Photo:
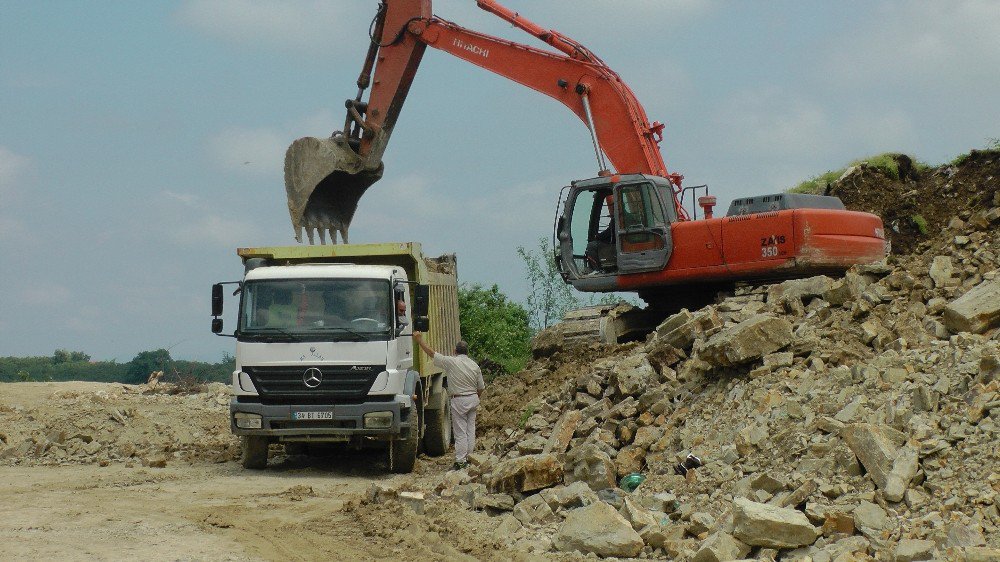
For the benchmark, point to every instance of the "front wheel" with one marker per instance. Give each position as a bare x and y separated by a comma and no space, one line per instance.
403,452
253,451
437,432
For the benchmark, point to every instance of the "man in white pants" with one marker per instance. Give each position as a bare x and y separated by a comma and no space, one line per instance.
465,384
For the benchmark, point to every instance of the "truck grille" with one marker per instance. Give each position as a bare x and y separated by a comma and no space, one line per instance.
341,384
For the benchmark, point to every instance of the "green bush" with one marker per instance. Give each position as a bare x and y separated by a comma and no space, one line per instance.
886,162
495,327
817,185
921,223
992,143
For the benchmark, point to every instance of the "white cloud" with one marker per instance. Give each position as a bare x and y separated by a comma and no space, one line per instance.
322,123
211,230
770,122
12,168
186,199
324,25
405,202
892,130
285,24
929,43
45,294
254,152
567,15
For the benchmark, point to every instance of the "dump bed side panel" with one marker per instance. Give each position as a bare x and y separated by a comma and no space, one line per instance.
443,311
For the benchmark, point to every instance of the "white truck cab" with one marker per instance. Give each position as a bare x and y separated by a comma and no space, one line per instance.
325,351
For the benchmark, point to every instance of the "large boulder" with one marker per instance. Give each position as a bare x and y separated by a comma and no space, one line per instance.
975,311
759,524
572,496
799,289
527,474
846,290
904,468
600,530
911,550
634,375
721,547
875,448
870,519
534,510
941,271
751,339
590,465
683,328
562,433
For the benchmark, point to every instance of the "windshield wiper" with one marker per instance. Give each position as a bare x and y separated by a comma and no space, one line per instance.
270,333
358,335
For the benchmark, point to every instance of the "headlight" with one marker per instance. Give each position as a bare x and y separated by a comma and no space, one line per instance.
247,421
378,420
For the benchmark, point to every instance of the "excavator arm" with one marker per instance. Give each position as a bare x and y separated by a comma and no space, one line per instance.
325,178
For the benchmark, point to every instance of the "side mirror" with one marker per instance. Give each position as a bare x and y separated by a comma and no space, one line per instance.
421,300
217,301
421,323
216,325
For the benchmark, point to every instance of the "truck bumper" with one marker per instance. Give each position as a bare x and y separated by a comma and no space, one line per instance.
346,419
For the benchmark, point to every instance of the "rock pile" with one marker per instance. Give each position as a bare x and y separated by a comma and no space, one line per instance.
49,424
836,419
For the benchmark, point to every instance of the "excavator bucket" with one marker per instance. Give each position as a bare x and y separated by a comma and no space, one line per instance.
324,180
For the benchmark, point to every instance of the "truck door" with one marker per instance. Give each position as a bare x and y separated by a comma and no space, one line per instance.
644,241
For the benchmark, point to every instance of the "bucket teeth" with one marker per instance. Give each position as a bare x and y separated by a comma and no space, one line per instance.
324,180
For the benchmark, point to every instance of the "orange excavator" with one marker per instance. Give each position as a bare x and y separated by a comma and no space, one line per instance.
626,229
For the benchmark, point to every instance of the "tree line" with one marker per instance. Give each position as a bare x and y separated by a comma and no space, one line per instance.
64,365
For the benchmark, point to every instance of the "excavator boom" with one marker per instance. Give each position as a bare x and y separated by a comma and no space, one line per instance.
325,178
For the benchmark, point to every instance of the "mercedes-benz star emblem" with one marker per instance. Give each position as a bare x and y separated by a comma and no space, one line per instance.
312,377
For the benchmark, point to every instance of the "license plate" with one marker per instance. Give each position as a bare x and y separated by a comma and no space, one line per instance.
312,416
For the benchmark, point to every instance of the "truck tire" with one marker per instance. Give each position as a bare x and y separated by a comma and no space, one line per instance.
253,451
437,431
403,452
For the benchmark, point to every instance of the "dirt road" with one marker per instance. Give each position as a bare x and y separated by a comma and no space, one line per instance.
93,471
188,512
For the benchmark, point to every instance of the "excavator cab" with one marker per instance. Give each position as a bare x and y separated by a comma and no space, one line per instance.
612,226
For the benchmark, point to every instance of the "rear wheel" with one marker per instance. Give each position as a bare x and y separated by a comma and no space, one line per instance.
253,449
437,432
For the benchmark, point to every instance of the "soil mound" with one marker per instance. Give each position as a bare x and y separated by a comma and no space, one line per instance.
917,205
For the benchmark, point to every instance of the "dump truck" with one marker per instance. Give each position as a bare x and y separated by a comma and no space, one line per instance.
325,351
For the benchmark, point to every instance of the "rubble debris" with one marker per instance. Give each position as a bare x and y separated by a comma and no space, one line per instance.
759,524
598,529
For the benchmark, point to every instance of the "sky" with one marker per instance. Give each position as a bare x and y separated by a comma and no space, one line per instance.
142,142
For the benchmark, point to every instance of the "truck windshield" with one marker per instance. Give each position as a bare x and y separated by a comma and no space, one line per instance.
316,310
